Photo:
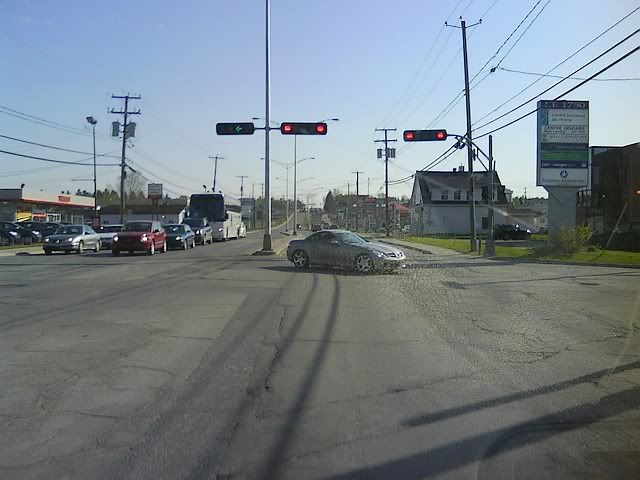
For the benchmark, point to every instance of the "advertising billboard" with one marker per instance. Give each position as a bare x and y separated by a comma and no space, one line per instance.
563,143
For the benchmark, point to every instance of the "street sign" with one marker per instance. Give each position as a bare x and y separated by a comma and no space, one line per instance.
424,135
563,143
303,128
242,128
154,191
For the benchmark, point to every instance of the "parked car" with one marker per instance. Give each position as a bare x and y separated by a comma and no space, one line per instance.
135,236
180,236
242,233
72,238
45,228
508,231
106,234
8,237
316,227
341,248
202,229
333,227
27,236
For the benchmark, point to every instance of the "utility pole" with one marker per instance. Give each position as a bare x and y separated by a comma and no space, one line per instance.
472,201
266,240
368,185
242,177
491,251
215,171
357,182
386,173
125,135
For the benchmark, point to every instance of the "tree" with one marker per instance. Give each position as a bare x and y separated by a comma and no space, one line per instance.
329,203
134,185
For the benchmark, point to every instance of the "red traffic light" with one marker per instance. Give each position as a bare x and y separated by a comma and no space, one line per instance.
303,128
424,135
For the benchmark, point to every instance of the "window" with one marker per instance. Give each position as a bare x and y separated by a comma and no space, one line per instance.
444,194
457,195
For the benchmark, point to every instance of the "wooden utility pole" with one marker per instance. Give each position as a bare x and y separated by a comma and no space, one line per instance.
386,173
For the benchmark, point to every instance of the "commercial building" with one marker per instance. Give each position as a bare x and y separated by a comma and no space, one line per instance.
18,204
166,211
440,202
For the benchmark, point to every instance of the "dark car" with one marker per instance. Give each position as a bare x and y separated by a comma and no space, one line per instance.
180,236
316,227
202,229
333,227
45,228
8,237
341,248
27,235
145,235
510,232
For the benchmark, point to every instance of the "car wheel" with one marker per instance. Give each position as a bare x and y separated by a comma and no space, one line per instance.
363,263
81,248
152,248
115,253
184,244
193,243
164,247
47,252
300,259
67,252
97,247
130,252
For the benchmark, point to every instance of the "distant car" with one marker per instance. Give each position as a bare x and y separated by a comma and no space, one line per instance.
242,233
202,229
146,236
341,248
333,227
180,236
510,232
316,227
106,234
27,235
45,228
72,238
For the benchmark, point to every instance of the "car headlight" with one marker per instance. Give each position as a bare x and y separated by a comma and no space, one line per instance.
144,238
46,240
220,229
73,240
178,238
378,254
115,238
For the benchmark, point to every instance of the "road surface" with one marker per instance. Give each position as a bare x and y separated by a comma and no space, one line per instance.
213,363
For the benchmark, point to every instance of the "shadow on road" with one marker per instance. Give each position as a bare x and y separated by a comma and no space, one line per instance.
496,442
323,270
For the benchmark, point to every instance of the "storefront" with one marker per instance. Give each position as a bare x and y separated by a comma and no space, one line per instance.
17,204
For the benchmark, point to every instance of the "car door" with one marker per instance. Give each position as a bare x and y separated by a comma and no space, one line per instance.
91,237
327,249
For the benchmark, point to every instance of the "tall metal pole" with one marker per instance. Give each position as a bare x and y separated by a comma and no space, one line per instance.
386,184
286,201
123,164
491,251
95,180
215,171
295,183
472,200
266,241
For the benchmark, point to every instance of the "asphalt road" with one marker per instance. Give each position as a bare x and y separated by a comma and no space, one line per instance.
213,363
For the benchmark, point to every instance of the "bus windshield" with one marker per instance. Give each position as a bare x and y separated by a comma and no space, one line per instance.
210,206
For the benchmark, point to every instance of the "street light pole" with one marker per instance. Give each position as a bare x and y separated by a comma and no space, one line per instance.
266,241
92,121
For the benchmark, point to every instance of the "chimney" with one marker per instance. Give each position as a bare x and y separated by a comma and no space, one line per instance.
461,168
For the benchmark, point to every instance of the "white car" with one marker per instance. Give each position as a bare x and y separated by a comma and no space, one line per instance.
106,234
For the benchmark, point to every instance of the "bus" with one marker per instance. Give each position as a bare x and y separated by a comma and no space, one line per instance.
225,223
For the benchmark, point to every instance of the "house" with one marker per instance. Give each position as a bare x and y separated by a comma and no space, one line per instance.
440,202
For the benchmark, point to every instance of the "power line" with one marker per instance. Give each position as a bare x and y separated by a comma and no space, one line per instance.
615,62
560,81
54,147
65,162
597,37
627,79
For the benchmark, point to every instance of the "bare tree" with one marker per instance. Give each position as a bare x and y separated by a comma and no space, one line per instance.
134,185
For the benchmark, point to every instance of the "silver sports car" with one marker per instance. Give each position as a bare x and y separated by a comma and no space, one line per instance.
341,248
72,238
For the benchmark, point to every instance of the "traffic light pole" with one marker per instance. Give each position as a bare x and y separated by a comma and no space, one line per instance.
491,248
295,184
266,241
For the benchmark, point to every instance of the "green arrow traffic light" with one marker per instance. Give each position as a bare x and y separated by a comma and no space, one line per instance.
242,128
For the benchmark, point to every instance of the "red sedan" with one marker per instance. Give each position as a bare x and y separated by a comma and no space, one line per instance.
140,236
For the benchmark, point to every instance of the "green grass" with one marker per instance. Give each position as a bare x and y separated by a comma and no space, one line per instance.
539,236
592,258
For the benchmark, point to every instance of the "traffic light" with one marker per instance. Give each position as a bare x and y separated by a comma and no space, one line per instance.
303,128
244,128
424,135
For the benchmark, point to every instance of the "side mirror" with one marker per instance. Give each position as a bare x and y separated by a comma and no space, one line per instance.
226,216
86,233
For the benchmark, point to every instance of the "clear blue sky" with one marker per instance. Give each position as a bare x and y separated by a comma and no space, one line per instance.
201,62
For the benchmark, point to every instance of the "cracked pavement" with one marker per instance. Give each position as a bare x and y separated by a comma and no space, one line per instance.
215,364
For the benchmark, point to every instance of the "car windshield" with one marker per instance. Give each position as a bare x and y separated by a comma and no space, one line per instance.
348,237
110,228
137,227
69,230
174,228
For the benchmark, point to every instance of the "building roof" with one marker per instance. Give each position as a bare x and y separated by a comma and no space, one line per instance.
22,195
454,180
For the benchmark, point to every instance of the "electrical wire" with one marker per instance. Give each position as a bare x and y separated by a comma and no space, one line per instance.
612,64
57,161
627,79
56,148
560,81
597,37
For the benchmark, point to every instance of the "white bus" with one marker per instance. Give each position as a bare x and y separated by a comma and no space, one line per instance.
225,223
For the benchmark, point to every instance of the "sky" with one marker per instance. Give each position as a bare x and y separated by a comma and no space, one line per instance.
370,63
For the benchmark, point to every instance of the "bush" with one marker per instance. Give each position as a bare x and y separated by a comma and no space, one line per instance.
572,239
